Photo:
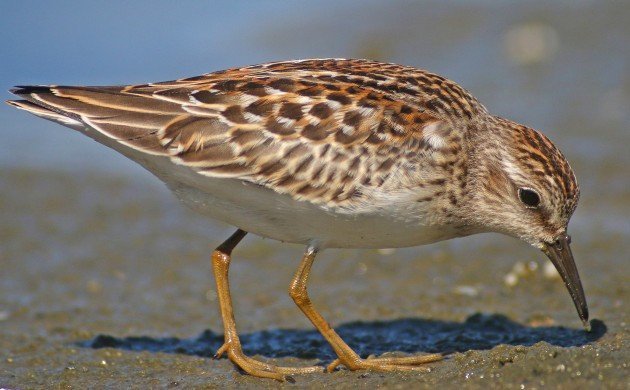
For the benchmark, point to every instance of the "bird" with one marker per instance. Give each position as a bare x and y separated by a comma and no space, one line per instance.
331,153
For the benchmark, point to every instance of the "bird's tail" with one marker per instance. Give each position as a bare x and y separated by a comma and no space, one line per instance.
130,118
42,109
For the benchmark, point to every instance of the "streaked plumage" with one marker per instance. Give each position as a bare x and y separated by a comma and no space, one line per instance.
333,153
319,130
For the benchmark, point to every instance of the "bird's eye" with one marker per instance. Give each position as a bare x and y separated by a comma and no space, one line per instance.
529,197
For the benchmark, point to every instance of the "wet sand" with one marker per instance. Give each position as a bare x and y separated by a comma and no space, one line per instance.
106,282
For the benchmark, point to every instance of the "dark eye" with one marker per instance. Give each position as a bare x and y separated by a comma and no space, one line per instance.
529,197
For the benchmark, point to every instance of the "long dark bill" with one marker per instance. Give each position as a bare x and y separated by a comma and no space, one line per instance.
560,255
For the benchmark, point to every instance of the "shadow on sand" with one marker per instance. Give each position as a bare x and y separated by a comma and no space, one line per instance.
478,332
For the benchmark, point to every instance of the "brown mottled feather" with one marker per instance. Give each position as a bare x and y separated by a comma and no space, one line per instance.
266,123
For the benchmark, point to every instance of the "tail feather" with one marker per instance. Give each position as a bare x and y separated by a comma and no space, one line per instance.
46,113
132,119
29,89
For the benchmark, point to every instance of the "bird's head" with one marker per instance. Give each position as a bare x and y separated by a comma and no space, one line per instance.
525,188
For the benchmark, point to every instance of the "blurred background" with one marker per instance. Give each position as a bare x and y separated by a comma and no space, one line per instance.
68,203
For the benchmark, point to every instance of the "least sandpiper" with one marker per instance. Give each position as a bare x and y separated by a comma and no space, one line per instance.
332,153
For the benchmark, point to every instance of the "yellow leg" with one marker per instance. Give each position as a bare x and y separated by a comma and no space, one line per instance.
346,356
232,344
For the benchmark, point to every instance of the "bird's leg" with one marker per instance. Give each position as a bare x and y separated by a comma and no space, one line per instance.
232,344
346,356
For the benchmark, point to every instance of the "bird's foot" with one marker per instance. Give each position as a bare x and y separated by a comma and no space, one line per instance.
261,369
407,363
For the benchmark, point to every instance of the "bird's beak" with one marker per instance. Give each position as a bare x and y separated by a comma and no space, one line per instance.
559,252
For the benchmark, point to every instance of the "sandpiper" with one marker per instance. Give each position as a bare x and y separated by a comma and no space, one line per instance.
332,153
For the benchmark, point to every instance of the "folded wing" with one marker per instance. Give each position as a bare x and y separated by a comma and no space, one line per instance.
295,132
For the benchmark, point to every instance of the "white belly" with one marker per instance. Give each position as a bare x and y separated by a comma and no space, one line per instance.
261,211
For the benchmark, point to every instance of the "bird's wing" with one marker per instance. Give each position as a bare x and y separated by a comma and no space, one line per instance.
299,131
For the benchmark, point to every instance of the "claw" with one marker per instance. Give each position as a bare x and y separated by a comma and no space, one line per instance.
220,351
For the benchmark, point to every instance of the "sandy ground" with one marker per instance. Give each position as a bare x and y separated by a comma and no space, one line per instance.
106,282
